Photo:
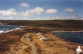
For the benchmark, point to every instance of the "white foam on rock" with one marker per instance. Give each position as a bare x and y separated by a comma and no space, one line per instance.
2,31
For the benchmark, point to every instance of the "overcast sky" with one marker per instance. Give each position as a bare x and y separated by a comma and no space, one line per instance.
40,9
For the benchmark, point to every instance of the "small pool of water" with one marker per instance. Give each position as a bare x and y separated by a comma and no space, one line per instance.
71,36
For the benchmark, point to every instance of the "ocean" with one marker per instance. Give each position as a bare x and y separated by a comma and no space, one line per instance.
7,27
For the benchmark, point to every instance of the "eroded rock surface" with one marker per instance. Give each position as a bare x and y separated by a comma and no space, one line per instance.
21,42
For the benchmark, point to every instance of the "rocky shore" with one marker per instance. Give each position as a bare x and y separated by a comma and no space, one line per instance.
29,40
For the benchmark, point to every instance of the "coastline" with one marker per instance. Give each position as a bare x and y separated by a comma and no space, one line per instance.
13,39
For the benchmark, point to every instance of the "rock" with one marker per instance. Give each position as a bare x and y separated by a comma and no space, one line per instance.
29,42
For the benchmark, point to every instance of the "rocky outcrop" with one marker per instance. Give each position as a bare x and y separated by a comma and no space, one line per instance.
37,42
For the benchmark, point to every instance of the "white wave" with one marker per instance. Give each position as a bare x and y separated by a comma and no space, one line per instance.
17,28
12,30
7,31
1,31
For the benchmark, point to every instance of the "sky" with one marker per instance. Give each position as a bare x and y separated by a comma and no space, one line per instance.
41,9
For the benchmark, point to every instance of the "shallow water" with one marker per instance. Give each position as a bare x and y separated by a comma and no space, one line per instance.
71,36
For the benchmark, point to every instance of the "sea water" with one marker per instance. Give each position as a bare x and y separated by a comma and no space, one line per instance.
71,36
6,28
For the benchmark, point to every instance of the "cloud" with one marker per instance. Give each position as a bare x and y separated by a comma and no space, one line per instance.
51,11
72,13
13,12
37,10
34,11
69,10
8,12
26,13
24,4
